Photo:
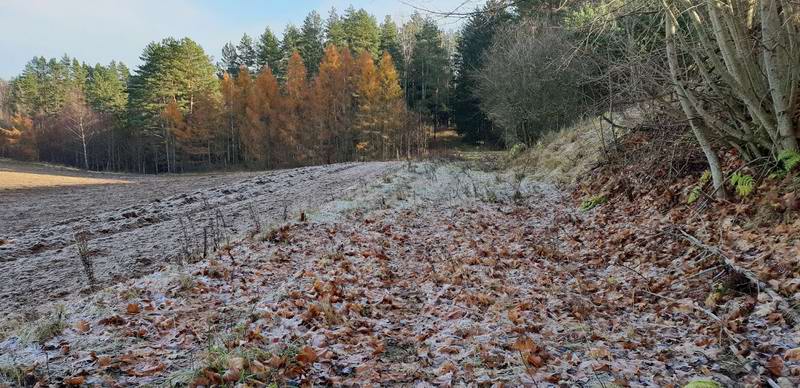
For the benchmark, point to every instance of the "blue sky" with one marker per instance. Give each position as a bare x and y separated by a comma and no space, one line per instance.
97,31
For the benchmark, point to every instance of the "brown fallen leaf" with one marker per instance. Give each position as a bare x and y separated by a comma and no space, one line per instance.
134,308
534,360
525,344
447,367
377,346
104,361
147,370
276,361
775,365
236,364
213,377
792,355
307,356
75,380
257,367
232,375
600,353
82,326
113,320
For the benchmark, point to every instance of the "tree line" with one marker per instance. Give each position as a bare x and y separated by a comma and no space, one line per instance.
340,90
727,72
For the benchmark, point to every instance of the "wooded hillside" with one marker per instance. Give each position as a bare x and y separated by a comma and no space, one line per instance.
346,89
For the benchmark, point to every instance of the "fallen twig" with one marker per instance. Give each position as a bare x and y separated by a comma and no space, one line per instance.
709,313
791,316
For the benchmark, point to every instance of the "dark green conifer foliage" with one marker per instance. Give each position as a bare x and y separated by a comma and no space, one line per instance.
247,55
311,41
475,38
268,50
429,74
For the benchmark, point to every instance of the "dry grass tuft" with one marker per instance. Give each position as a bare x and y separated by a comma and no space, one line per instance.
45,328
562,157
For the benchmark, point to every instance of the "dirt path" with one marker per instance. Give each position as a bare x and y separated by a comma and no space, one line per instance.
137,227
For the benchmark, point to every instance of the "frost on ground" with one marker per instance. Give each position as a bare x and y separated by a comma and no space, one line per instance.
139,227
432,274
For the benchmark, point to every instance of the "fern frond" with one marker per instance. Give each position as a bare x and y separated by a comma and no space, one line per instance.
744,184
705,178
694,195
593,202
789,159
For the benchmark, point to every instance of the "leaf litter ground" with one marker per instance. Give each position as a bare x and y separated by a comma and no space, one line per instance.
438,275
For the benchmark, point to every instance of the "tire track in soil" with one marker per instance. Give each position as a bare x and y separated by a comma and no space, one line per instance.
41,265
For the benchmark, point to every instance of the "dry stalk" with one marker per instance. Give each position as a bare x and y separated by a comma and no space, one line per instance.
85,255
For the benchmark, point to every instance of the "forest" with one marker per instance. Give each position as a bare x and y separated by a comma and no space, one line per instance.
340,90
348,88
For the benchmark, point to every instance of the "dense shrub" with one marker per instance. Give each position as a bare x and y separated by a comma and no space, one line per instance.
530,82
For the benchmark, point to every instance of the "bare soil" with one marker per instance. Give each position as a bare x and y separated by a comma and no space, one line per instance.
136,224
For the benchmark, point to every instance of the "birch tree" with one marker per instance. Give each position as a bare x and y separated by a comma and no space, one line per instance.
81,121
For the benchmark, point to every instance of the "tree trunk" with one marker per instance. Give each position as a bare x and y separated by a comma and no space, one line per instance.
778,72
697,126
85,154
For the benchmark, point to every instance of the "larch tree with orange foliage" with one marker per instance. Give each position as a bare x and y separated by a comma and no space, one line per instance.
295,108
330,104
264,111
20,139
391,113
345,139
251,132
199,131
367,85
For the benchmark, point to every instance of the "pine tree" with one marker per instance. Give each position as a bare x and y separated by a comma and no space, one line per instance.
268,50
247,53
361,31
311,44
390,42
292,41
106,90
429,74
334,30
172,70
230,59
476,37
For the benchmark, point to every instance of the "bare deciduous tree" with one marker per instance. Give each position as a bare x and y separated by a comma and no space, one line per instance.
81,121
735,66
528,86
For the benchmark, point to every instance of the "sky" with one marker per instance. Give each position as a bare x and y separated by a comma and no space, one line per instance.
98,31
